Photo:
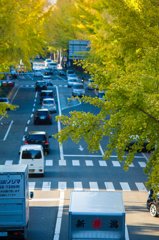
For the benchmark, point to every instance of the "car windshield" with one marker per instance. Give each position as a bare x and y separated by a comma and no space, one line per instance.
72,80
30,154
72,75
101,95
48,60
48,102
70,72
36,137
78,86
42,113
46,94
53,64
3,100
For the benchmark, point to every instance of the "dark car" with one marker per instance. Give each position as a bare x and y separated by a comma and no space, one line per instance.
62,72
38,137
46,94
42,116
40,85
134,140
48,71
153,204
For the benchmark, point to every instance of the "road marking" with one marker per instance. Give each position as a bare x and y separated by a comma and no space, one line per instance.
33,110
62,186
93,186
89,162
46,186
142,164
65,155
31,186
27,85
81,148
116,164
131,165
36,94
44,199
62,162
15,94
141,187
102,163
109,186
60,85
34,100
31,115
144,155
8,131
75,163
23,139
102,152
34,105
125,186
8,162
78,186
49,163
26,129
32,85
28,121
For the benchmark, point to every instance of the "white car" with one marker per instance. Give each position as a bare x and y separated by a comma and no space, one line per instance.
49,103
78,90
52,65
72,76
71,82
48,80
47,61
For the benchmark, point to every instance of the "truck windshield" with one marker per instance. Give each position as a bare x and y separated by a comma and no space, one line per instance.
31,154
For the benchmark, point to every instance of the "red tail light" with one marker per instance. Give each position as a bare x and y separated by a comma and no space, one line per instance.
40,170
49,116
26,142
46,142
34,116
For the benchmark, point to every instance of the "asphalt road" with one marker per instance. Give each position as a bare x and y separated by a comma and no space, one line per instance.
71,167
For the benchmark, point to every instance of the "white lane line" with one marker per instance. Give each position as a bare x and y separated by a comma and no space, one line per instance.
102,152
75,163
66,155
31,115
36,94
34,105
141,187
8,131
14,95
8,162
23,139
142,164
116,164
102,163
109,186
62,162
89,163
49,163
62,78
44,199
34,100
31,186
65,85
28,121
62,186
32,85
78,186
27,85
125,186
144,155
46,186
26,129
93,186
33,110
60,85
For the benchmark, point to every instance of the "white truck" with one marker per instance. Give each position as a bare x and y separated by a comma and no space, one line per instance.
14,201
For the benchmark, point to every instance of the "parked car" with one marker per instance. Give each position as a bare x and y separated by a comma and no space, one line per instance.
40,85
71,82
46,94
153,204
50,104
48,71
72,76
42,116
39,137
47,61
4,100
48,80
78,90
37,73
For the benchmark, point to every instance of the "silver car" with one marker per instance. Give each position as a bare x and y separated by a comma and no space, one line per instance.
71,82
37,73
72,76
50,104
48,80
78,90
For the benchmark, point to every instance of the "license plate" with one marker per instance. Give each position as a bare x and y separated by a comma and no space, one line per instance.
42,117
31,170
3,234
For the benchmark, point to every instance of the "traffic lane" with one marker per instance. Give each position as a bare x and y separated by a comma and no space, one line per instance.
10,147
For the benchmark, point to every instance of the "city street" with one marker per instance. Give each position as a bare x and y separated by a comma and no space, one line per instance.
71,166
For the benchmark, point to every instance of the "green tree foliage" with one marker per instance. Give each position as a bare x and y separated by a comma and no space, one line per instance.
124,59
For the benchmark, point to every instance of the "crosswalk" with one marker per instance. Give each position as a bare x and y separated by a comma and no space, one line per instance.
33,86
92,186
84,163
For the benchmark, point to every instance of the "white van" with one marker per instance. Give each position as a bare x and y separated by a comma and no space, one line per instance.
33,156
52,65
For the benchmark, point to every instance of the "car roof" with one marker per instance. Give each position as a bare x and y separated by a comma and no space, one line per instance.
42,109
44,99
46,90
36,132
31,146
78,84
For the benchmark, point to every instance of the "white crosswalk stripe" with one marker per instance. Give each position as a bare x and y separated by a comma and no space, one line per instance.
93,186
116,163
49,163
62,185
46,186
75,162
78,186
142,164
131,165
102,163
31,186
109,186
125,186
141,187
62,162
8,162
89,162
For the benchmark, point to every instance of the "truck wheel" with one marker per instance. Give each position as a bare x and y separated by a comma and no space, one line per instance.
153,210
